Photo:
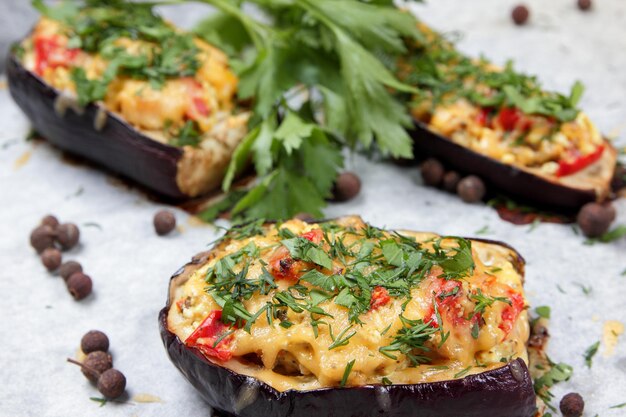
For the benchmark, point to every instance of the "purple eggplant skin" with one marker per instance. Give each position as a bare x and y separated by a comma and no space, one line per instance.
508,178
117,146
503,392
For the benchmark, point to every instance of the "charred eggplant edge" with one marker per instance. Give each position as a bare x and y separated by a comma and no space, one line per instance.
511,179
507,390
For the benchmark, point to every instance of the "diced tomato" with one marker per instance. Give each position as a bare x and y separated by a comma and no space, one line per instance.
511,312
446,293
198,107
511,118
50,54
201,106
314,236
569,167
283,266
205,336
483,117
380,297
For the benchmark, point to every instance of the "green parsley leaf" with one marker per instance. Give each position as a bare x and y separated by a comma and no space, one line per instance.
346,373
590,353
543,311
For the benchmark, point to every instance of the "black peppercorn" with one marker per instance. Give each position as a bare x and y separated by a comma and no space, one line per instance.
42,237
347,186
595,219
68,235
69,268
520,15
164,222
572,405
112,383
51,258
584,5
432,172
98,361
93,341
450,181
471,189
51,221
79,285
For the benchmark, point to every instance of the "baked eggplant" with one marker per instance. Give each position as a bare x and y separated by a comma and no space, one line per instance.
121,87
423,325
501,125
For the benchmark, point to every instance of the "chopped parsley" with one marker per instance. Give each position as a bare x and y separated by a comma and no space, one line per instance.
346,373
590,353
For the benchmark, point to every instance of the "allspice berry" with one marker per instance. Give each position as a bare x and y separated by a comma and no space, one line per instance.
112,383
51,258
68,235
450,181
432,172
42,237
98,361
471,189
51,221
572,405
520,15
595,219
347,186
164,222
94,340
79,285
585,5
69,268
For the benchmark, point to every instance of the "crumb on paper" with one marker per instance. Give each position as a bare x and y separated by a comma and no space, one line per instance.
613,329
146,398
595,317
3,85
22,160
180,228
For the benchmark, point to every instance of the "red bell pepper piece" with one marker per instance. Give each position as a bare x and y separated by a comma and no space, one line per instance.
447,294
209,331
380,297
50,54
511,118
511,312
482,118
314,236
571,167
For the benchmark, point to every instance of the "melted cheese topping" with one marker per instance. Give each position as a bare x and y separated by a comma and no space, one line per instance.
294,358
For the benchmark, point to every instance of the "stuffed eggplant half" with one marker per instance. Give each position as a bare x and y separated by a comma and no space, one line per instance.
499,124
342,319
122,87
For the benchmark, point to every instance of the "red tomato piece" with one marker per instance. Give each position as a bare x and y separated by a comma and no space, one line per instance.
283,266
483,117
209,331
50,54
569,167
201,106
509,117
380,297
314,236
446,293
511,312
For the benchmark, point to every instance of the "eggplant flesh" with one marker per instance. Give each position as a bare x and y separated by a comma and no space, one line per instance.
505,391
559,193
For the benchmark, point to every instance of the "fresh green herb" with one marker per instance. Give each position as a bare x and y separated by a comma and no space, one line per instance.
484,301
102,401
410,341
484,230
534,225
188,135
462,373
590,353
561,290
557,373
623,273
346,373
586,290
543,311
211,213
386,381
610,236
622,405
342,339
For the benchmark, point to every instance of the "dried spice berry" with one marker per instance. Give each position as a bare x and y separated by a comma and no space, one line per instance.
112,383
68,235
347,186
98,361
432,172
41,238
619,178
520,15
451,181
51,221
164,222
79,285
93,341
69,268
595,219
584,5
51,258
572,405
471,189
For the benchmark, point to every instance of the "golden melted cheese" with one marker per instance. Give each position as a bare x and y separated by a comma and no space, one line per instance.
308,359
